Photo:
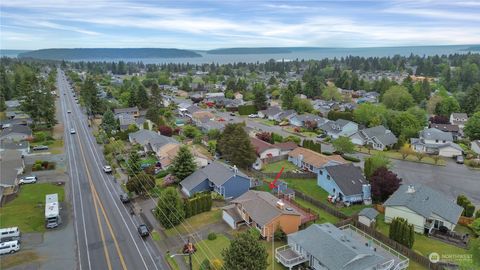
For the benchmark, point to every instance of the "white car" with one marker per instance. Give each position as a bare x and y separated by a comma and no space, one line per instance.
9,247
28,180
107,169
253,115
72,131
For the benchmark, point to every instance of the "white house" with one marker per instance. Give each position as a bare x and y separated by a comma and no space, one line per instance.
459,119
339,128
435,141
426,209
367,216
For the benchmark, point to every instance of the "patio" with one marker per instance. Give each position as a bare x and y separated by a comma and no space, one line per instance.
289,257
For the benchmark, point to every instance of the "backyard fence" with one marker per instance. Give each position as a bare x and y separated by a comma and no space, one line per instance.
319,204
269,160
305,175
412,255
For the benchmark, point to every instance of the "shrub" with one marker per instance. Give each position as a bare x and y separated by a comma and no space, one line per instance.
51,166
247,109
351,158
165,131
474,163
279,234
37,167
212,236
475,226
45,164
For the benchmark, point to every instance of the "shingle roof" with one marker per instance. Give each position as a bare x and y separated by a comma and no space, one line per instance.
369,212
336,249
445,127
381,134
260,145
16,129
285,146
216,172
315,159
286,114
435,134
262,207
10,163
349,178
272,111
144,137
125,110
425,202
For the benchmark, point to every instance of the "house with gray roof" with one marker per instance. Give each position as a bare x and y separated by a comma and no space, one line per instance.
11,166
339,128
425,208
435,141
133,111
459,119
285,115
378,137
367,216
326,247
227,181
301,119
344,183
150,140
270,113
23,146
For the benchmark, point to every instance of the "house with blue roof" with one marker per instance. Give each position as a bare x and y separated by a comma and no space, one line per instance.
217,177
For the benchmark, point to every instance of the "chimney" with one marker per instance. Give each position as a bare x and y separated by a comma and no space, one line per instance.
235,170
280,204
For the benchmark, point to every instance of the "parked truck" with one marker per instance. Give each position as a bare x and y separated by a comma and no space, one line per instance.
52,211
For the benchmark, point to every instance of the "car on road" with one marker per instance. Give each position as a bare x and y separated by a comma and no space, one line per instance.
28,180
40,147
107,169
253,115
459,159
124,198
9,247
72,131
232,114
69,111
143,230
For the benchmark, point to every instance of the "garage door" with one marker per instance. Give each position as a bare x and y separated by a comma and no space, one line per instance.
228,219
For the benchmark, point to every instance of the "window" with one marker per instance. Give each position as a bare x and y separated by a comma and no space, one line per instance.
321,172
328,177
436,141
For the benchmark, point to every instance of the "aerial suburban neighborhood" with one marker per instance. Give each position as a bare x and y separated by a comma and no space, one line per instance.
238,158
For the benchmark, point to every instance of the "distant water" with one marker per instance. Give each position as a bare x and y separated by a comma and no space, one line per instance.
310,54
10,53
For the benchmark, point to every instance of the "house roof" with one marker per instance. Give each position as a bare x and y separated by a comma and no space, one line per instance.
287,114
125,110
369,213
260,145
272,111
335,126
316,159
16,129
425,202
435,134
193,109
12,103
285,146
336,249
460,115
203,115
381,134
10,163
446,127
349,178
167,153
14,145
144,137
262,207
216,172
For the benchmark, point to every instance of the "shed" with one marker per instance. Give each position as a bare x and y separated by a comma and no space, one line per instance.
367,216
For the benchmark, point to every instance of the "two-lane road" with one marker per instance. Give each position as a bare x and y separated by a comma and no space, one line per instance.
106,232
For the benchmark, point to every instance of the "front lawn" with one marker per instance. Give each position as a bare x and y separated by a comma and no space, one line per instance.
196,222
27,211
396,155
323,216
211,249
275,167
425,245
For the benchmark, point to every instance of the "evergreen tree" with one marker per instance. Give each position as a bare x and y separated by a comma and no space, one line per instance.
260,100
141,183
245,252
142,97
109,123
288,96
183,164
235,146
133,163
170,210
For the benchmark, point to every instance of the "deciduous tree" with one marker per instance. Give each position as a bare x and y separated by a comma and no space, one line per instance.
384,183
245,252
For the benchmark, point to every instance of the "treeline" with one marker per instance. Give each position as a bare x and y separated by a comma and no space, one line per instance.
33,84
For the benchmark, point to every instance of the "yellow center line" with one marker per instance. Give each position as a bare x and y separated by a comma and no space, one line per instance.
97,199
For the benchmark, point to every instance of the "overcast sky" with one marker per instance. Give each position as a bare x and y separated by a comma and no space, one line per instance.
230,23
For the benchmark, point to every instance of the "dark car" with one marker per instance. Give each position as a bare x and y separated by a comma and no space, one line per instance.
143,230
232,114
124,198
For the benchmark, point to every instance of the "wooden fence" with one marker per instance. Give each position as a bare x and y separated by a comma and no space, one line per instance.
319,204
306,175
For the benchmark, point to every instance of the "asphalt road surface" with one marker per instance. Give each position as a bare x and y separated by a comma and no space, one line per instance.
106,233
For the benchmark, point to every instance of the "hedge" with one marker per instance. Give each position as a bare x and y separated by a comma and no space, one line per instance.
350,158
247,109
198,204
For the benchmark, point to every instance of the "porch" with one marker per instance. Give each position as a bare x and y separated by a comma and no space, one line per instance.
287,256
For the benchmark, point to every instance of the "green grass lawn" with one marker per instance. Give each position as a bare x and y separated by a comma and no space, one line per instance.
425,245
323,216
267,122
268,246
275,167
27,210
149,160
396,155
211,249
196,222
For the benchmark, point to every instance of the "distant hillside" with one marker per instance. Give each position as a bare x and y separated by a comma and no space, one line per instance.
107,53
263,50
11,53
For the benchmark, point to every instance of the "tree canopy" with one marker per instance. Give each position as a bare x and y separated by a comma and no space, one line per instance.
245,252
235,146
398,98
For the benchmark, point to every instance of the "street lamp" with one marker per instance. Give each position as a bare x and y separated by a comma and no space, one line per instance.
188,250
189,258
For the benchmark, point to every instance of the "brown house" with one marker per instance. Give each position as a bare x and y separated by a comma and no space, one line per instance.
312,161
263,211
